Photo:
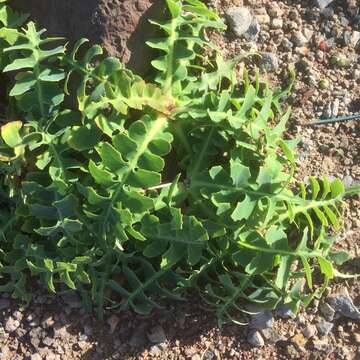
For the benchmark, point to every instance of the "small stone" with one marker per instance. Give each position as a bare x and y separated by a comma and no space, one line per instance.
310,331
343,304
299,39
274,10
157,335
286,44
269,62
277,23
324,327
36,357
239,19
357,337
262,15
196,357
253,31
322,4
272,336
354,38
263,319
35,336
255,339
155,351
48,341
61,332
284,312
348,180
113,322
335,107
4,304
327,311
11,324
320,344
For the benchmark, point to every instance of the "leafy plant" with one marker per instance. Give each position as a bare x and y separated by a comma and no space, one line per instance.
144,190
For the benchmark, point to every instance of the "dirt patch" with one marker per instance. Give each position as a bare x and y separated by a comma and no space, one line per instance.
121,26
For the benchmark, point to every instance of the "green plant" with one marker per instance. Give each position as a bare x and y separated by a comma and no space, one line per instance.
147,189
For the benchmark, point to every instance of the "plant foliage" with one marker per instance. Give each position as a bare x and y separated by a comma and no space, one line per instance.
144,190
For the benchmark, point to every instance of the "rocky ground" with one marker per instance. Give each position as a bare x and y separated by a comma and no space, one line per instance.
321,39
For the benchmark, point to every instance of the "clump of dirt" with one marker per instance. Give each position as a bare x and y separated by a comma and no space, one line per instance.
120,26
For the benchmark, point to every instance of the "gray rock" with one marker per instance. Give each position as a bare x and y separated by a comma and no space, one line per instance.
253,31
263,319
299,39
286,44
348,180
157,335
269,62
323,3
255,339
327,311
48,341
324,327
343,304
239,19
284,312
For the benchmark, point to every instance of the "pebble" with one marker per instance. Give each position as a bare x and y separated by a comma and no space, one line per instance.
157,335
272,336
239,19
262,16
253,31
324,327
196,357
255,339
323,3
263,319
284,312
11,324
320,344
269,62
299,39
327,311
310,331
277,23
354,38
335,107
343,304
286,44
36,357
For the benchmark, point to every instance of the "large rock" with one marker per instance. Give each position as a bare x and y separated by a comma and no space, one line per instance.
121,26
